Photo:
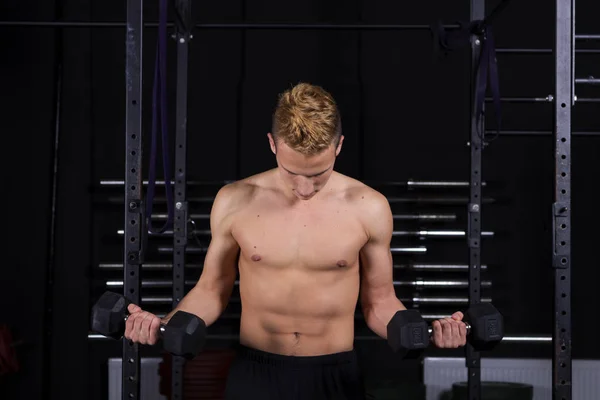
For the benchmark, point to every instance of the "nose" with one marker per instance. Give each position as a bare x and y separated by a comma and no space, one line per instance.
305,188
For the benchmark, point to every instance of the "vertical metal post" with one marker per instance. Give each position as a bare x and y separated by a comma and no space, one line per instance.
180,233
473,357
134,221
561,209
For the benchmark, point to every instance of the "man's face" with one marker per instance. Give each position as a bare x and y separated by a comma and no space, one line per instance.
304,175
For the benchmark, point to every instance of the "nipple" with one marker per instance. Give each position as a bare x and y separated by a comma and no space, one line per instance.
255,257
342,263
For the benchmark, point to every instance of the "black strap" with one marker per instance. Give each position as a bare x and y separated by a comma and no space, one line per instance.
159,110
488,68
447,40
183,18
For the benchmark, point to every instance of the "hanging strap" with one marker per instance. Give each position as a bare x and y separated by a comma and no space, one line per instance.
446,41
488,68
159,110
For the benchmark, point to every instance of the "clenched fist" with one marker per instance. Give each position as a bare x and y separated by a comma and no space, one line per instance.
449,333
141,326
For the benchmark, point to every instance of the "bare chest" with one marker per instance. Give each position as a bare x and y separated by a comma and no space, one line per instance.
321,239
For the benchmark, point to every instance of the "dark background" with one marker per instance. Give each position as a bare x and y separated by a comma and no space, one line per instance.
405,117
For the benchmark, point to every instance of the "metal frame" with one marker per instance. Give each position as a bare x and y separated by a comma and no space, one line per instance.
255,25
180,231
134,221
561,209
134,233
473,357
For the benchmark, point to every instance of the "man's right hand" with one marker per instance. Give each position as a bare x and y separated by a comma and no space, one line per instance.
141,326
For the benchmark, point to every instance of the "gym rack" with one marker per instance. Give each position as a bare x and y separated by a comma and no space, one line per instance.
134,223
563,100
561,209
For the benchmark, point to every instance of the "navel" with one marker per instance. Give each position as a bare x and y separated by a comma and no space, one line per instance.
342,263
255,257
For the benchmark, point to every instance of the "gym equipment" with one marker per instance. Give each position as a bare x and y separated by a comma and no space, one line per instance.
410,267
184,335
160,283
491,390
409,334
405,300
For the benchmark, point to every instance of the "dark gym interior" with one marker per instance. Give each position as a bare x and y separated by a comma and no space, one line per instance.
406,115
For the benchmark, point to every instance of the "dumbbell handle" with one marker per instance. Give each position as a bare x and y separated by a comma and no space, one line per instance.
161,330
182,343
430,329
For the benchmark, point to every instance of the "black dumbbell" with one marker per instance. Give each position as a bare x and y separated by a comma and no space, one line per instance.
184,335
409,334
486,326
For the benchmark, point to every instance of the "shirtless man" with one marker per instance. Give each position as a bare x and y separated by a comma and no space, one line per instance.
310,242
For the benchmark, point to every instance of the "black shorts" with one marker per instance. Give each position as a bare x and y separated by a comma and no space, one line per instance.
256,374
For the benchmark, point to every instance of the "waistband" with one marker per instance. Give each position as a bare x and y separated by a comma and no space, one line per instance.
280,360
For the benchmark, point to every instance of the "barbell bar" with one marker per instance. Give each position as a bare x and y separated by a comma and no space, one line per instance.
165,283
415,267
512,338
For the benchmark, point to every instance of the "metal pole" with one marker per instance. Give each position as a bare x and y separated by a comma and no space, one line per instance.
590,81
543,51
255,25
415,299
203,250
413,267
180,232
543,133
407,183
432,233
421,283
587,37
561,210
134,221
406,217
437,199
512,339
473,357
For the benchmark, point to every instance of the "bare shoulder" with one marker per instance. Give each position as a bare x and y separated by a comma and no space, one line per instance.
371,207
239,194
364,197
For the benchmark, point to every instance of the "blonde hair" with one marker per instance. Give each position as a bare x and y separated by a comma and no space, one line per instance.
307,119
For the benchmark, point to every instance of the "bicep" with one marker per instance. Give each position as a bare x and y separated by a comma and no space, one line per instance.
220,262
221,256
376,257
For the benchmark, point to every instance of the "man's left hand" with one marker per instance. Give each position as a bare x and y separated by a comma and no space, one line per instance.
449,333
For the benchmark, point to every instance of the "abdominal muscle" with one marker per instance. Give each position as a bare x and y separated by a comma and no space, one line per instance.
301,313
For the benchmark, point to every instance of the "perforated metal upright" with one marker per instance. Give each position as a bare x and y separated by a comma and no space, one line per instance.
564,52
180,233
473,357
134,221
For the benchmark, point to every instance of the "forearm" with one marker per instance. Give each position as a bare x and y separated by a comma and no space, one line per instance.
378,314
206,303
